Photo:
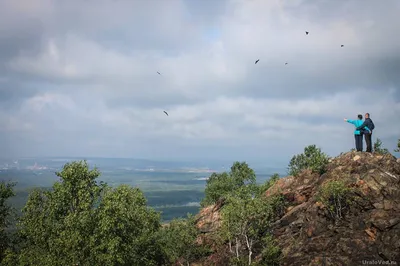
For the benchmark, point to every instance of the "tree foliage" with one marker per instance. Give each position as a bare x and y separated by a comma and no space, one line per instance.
220,185
6,192
336,197
246,213
246,223
125,230
378,147
178,241
312,158
82,221
58,224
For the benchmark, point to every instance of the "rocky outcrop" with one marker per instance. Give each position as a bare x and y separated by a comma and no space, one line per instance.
208,221
369,230
209,218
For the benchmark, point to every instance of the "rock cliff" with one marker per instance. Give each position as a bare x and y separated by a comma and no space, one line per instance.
368,230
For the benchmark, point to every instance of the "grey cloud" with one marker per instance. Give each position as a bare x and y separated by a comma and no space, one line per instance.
147,25
297,82
152,99
20,31
25,39
370,59
328,11
109,52
13,93
206,12
336,68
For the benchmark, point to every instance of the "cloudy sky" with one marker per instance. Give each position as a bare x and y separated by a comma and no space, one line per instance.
79,77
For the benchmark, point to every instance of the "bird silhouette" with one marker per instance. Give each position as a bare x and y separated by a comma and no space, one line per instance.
341,45
306,32
257,61
158,73
286,63
166,113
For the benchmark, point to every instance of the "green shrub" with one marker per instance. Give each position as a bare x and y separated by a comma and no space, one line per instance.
10,258
398,146
178,241
271,253
336,197
246,223
221,185
241,261
312,158
378,147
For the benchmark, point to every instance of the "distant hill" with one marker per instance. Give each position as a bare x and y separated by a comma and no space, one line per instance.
56,163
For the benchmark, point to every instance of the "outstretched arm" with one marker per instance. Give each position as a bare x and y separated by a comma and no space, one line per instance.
350,121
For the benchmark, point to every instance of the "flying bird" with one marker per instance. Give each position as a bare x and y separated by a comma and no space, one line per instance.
165,113
306,32
158,73
341,45
257,61
286,63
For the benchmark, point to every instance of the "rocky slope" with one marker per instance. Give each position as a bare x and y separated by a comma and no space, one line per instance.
307,234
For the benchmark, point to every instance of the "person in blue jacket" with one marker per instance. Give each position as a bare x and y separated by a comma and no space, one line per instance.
358,134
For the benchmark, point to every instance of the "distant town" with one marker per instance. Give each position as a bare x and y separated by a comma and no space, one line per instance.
15,165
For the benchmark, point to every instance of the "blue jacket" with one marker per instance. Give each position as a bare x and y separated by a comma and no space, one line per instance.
357,123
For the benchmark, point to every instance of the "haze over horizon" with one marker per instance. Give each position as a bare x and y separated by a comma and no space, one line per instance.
79,78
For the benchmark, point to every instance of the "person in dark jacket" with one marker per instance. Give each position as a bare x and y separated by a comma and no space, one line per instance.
358,134
367,133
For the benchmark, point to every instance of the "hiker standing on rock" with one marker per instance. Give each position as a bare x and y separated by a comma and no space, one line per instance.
368,134
358,134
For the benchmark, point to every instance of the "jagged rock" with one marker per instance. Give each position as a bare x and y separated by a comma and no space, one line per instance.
307,235
209,218
295,189
369,231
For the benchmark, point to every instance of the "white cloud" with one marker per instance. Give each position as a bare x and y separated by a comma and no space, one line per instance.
236,122
98,92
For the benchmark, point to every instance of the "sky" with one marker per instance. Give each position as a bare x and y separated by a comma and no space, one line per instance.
79,78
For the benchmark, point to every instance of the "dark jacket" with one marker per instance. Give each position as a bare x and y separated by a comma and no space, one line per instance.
367,123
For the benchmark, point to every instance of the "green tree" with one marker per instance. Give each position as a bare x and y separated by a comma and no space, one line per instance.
178,241
58,224
312,158
125,231
82,221
220,185
398,146
6,192
246,223
378,147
